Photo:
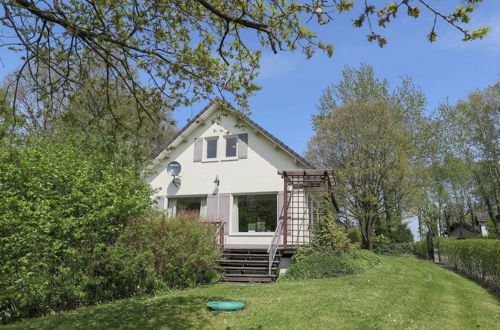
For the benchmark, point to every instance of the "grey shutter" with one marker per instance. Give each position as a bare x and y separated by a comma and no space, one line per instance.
198,150
212,207
224,207
243,145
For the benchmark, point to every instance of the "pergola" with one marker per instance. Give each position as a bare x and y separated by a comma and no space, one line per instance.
305,192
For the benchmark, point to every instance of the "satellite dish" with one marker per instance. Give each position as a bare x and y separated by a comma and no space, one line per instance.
174,168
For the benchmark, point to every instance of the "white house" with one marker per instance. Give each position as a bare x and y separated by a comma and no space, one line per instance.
237,173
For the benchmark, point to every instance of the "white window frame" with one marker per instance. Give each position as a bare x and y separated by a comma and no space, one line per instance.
205,149
234,222
235,157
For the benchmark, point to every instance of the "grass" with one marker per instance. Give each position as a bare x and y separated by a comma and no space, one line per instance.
401,293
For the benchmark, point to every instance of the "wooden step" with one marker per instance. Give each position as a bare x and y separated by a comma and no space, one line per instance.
248,265
260,262
259,278
247,255
250,275
245,268
247,280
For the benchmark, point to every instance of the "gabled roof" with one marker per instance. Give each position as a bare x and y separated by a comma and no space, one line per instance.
206,112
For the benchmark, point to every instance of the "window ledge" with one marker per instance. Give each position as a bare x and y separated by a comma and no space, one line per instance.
229,159
209,160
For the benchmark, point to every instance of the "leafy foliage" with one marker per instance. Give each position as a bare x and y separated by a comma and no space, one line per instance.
330,264
155,251
421,249
186,50
73,231
385,246
100,108
328,237
60,206
374,139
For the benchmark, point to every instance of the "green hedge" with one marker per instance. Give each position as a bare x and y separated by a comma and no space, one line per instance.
385,246
420,249
477,257
330,264
395,249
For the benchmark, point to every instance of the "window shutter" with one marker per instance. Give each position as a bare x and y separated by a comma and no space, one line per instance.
212,208
198,150
243,146
224,207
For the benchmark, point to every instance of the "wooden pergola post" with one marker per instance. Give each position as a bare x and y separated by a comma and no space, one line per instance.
285,210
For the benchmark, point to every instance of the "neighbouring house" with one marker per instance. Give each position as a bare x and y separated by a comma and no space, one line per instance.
261,195
477,228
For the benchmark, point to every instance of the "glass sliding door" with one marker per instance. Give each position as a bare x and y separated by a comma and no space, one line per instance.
255,213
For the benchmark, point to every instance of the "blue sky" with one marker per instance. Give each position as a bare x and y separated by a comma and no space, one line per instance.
292,85
445,70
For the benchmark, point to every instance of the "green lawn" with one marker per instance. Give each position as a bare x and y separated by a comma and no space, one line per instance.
402,293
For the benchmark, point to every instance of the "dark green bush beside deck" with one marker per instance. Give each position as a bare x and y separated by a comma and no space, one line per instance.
330,264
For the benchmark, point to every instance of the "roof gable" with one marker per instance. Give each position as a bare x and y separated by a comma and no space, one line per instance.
205,114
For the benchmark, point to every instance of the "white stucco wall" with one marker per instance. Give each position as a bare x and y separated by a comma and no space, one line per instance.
258,173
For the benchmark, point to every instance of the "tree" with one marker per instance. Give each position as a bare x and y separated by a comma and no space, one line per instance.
361,133
101,109
184,50
472,133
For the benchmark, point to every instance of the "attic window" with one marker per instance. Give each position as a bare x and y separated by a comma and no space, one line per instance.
231,146
211,148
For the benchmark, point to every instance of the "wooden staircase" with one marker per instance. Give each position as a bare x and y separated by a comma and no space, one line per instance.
248,266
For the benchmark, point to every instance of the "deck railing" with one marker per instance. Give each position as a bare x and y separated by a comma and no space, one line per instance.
219,236
219,232
275,242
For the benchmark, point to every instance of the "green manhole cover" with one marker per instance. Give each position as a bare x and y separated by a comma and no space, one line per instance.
225,306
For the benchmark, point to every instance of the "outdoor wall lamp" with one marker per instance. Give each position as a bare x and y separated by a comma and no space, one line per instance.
217,181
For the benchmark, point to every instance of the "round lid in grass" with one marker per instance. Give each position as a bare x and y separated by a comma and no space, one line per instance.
226,306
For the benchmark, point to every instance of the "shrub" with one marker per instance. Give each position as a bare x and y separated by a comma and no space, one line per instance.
156,252
61,205
476,257
421,249
330,264
384,246
355,236
328,237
